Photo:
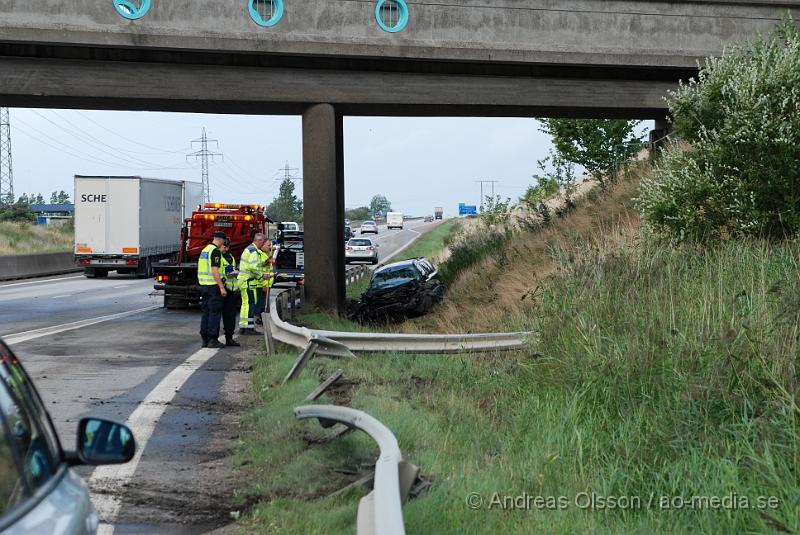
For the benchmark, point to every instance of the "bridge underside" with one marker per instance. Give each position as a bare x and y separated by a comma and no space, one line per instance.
323,90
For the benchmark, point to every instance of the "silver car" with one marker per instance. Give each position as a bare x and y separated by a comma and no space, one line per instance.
369,227
39,492
361,250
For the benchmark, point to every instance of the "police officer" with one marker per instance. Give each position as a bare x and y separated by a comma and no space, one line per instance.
212,290
233,301
252,275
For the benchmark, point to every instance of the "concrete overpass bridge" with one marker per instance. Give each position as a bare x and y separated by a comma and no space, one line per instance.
324,59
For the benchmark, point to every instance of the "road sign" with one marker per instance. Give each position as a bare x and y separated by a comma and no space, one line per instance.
467,209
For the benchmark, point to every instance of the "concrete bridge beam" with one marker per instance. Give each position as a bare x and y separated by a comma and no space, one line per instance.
323,202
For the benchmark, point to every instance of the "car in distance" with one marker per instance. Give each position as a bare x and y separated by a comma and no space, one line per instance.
394,220
428,219
361,250
369,227
40,493
291,226
348,232
407,288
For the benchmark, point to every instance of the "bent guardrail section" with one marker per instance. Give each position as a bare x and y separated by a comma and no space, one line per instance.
413,343
381,511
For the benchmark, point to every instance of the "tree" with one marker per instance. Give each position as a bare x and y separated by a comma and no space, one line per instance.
59,198
736,172
380,205
551,181
601,146
20,211
286,206
358,214
496,211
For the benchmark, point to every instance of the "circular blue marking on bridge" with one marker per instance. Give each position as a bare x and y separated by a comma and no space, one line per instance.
266,12
132,9
391,15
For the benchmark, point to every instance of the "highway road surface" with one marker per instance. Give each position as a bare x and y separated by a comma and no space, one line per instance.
106,347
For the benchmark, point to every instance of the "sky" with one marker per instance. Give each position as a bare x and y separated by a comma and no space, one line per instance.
417,163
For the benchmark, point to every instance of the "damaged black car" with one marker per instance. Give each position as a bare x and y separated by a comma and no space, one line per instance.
399,290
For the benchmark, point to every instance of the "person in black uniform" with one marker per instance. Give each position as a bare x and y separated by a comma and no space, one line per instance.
233,301
213,292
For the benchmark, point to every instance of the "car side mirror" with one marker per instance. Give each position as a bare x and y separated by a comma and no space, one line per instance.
104,442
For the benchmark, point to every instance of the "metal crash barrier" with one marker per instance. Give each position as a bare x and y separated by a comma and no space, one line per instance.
300,337
380,511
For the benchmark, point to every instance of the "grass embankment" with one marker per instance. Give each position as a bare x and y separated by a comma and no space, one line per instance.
657,374
24,238
428,245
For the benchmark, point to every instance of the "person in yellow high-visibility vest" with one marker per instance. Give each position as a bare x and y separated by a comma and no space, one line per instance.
252,274
233,301
266,284
212,290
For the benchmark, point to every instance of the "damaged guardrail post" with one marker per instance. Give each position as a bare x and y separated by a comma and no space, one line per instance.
381,511
269,342
315,343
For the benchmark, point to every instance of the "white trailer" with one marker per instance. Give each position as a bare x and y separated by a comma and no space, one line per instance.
126,223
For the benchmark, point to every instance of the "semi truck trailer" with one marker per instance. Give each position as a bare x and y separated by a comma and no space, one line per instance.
438,212
128,224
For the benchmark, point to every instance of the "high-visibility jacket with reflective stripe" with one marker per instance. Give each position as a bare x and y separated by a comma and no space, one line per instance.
267,281
251,268
204,275
231,281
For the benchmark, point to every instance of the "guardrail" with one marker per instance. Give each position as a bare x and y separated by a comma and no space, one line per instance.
300,337
355,273
37,265
380,511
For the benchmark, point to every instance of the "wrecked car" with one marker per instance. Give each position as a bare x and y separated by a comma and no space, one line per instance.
399,290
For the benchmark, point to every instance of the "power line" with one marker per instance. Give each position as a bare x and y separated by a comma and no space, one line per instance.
115,152
204,154
138,143
6,167
287,172
82,155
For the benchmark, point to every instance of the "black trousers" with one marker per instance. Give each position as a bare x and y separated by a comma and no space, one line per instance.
211,304
230,312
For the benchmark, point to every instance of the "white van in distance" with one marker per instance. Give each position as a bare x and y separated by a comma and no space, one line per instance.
394,220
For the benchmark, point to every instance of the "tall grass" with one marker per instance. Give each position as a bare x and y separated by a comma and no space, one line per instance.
24,238
655,372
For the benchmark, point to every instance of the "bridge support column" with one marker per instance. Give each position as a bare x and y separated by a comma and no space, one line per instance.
323,203
658,136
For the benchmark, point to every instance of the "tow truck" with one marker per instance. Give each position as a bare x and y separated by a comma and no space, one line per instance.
239,221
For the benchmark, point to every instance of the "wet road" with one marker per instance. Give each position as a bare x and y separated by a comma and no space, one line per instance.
105,347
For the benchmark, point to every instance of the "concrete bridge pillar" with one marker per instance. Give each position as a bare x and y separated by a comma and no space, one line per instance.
323,203
658,135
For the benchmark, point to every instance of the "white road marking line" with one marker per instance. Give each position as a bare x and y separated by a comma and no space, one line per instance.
403,248
60,296
123,286
142,422
39,281
18,338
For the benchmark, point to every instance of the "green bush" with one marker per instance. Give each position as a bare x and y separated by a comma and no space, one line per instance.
470,251
18,212
739,171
